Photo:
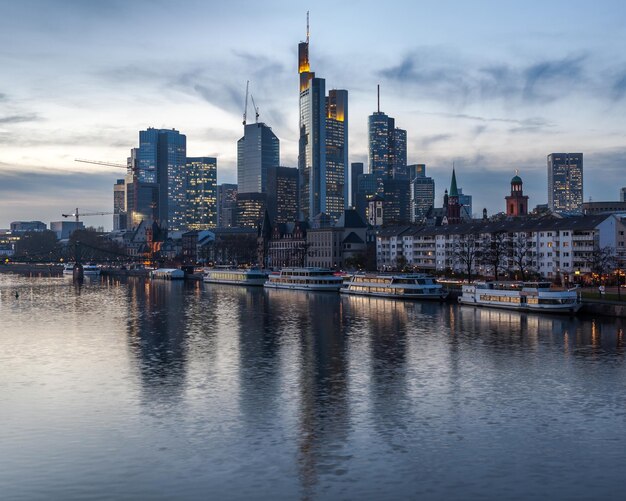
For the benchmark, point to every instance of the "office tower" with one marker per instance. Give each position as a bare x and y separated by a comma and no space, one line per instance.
312,143
257,150
336,153
622,195
387,150
142,197
356,169
282,194
516,202
416,170
397,201
201,193
119,205
367,187
162,159
251,209
422,197
465,202
226,205
565,182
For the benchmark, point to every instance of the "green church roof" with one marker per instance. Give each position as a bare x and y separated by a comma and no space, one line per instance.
454,192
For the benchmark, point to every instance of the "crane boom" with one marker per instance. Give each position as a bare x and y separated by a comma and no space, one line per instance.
256,109
98,162
245,106
76,214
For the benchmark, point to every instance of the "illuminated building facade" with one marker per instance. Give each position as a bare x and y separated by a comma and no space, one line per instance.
201,193
142,197
336,153
282,194
565,182
250,209
226,205
422,197
356,169
257,151
119,205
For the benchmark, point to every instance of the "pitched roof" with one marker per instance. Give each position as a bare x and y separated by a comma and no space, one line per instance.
353,238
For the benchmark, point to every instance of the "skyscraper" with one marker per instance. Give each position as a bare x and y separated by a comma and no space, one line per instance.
257,151
226,205
387,152
201,193
565,182
282,194
416,170
336,153
422,197
142,196
119,205
162,159
356,169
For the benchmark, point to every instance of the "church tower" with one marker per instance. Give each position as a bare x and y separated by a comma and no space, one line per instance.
516,202
453,209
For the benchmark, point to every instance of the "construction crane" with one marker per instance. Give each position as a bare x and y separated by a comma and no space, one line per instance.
245,106
76,214
98,162
256,110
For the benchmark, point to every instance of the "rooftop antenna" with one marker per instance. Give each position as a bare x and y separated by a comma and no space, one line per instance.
307,26
378,94
245,106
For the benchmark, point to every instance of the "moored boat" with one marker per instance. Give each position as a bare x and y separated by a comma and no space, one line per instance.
167,274
522,296
399,286
309,279
253,276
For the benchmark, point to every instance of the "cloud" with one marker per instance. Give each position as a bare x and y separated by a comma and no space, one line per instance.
15,119
425,141
546,80
619,87
3,97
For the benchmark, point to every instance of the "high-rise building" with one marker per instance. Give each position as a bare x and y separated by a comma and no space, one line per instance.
565,182
416,170
356,169
422,197
201,193
282,194
622,195
336,153
367,187
142,197
250,209
257,151
387,152
397,204
226,205
119,205
517,202
465,201
162,160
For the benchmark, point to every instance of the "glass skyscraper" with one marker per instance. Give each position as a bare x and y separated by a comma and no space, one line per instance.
282,194
257,151
565,182
226,205
387,152
336,153
422,197
201,193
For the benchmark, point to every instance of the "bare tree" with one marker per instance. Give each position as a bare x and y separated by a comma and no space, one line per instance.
494,250
520,254
602,259
466,251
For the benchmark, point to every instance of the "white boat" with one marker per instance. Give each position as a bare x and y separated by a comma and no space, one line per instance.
68,269
167,274
522,296
308,279
400,286
91,269
253,276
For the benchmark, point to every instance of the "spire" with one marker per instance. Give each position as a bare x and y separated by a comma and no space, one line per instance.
378,93
307,26
454,192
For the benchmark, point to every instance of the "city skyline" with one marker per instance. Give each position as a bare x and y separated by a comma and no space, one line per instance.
490,89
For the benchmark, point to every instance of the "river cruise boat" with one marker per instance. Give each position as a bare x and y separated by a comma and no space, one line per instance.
308,279
522,296
68,269
401,286
167,274
91,269
235,277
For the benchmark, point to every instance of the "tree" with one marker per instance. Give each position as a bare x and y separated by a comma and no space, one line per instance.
494,250
602,259
36,245
466,251
401,263
520,254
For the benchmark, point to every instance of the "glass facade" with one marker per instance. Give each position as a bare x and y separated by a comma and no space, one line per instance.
336,153
356,169
565,182
201,193
282,194
422,198
387,153
226,205
257,151
250,209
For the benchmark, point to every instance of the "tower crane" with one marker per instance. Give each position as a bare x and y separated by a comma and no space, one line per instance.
76,214
98,162
256,110
245,107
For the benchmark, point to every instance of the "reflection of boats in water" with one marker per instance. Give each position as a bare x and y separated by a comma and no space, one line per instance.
522,296
167,274
253,276
91,269
401,286
308,279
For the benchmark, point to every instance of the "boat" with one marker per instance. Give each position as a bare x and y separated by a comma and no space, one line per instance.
399,286
253,276
91,269
167,274
522,296
308,279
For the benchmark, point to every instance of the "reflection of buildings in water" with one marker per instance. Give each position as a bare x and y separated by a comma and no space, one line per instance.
316,331
156,335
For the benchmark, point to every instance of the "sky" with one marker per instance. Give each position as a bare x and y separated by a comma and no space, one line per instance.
490,86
